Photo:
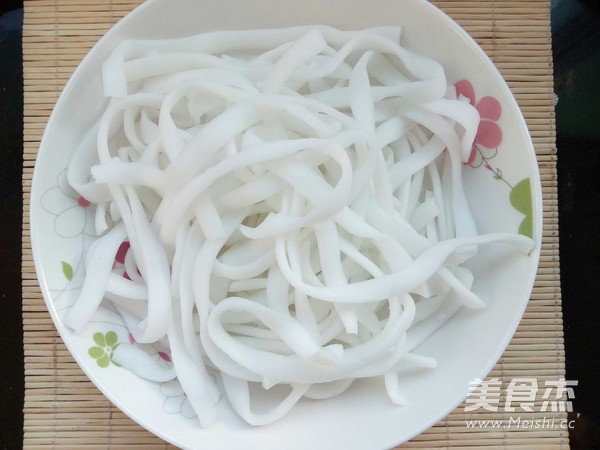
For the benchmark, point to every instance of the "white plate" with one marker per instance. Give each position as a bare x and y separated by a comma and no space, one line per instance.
363,418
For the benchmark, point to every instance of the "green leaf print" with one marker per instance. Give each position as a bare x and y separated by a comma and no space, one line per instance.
67,270
520,199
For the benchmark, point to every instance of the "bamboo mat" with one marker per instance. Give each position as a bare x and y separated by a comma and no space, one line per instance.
62,407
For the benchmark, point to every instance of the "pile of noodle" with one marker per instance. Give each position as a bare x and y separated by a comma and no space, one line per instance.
294,204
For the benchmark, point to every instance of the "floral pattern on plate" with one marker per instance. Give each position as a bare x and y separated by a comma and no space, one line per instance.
485,148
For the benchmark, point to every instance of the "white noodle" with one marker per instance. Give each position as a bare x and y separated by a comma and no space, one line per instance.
294,203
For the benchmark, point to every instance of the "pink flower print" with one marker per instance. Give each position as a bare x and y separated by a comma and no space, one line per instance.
73,214
122,252
119,263
489,133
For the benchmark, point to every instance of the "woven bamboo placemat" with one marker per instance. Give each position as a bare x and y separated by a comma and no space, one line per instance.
62,407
